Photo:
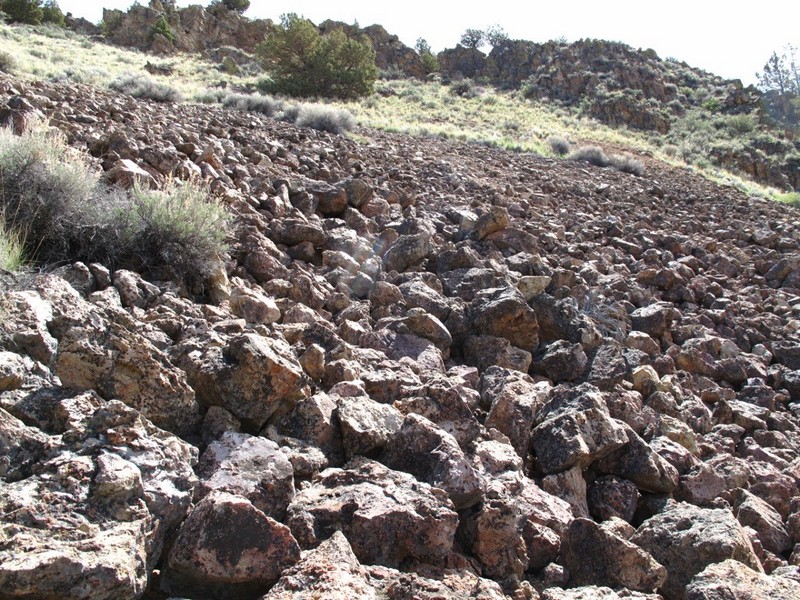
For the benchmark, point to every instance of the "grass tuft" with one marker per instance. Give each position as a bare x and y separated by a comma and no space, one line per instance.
12,253
252,103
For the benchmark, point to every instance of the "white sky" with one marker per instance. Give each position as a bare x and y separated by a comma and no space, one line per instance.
727,38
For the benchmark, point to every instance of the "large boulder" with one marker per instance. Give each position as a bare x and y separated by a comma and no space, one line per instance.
574,428
387,516
227,548
733,579
685,539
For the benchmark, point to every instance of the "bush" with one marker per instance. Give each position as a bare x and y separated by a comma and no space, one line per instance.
595,155
178,232
591,154
162,27
239,6
51,196
559,145
304,63
7,62
252,103
141,86
325,118
23,11
465,88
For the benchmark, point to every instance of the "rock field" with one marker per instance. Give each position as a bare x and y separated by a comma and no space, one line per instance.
427,370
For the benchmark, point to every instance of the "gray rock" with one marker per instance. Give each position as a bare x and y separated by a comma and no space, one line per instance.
387,516
733,579
574,428
227,548
366,425
685,539
593,555
560,361
433,455
251,467
407,251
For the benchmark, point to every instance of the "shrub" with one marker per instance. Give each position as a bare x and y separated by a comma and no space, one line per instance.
211,96
45,193
162,27
7,62
627,164
591,154
559,145
51,196
23,11
239,6
325,118
141,86
178,232
252,103
304,63
464,88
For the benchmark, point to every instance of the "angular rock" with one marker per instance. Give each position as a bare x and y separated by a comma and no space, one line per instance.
560,361
252,376
611,496
751,511
574,428
636,461
251,467
433,455
329,571
686,539
366,425
484,351
733,579
407,251
593,555
387,516
503,313
227,548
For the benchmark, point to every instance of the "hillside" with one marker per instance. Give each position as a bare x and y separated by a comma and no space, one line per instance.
418,368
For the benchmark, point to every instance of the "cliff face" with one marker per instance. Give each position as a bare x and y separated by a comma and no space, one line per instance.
196,29
425,370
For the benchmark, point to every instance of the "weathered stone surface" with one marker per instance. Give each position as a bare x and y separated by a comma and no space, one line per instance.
751,511
503,313
330,570
593,555
686,539
251,467
407,251
431,583
636,461
367,426
387,516
485,351
252,376
433,455
733,579
252,305
227,548
611,496
560,361
574,428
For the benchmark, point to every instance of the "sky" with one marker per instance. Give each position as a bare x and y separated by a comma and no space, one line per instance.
727,39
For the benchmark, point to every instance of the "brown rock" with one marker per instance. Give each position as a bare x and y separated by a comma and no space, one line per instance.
733,579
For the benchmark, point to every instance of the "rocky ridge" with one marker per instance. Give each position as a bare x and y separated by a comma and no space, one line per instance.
427,370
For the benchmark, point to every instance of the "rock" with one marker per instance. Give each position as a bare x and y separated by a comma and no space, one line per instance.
407,251
127,174
514,401
433,455
484,351
639,463
733,579
252,305
655,320
686,539
387,516
751,511
227,548
503,313
252,376
574,428
491,222
611,496
330,571
570,486
133,290
367,426
431,583
560,361
593,555
21,447
251,467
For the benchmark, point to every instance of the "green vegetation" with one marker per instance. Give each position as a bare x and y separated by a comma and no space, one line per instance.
239,6
162,27
8,63
23,11
51,13
56,209
325,118
304,63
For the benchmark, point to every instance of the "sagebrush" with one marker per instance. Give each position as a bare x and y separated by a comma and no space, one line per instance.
141,86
